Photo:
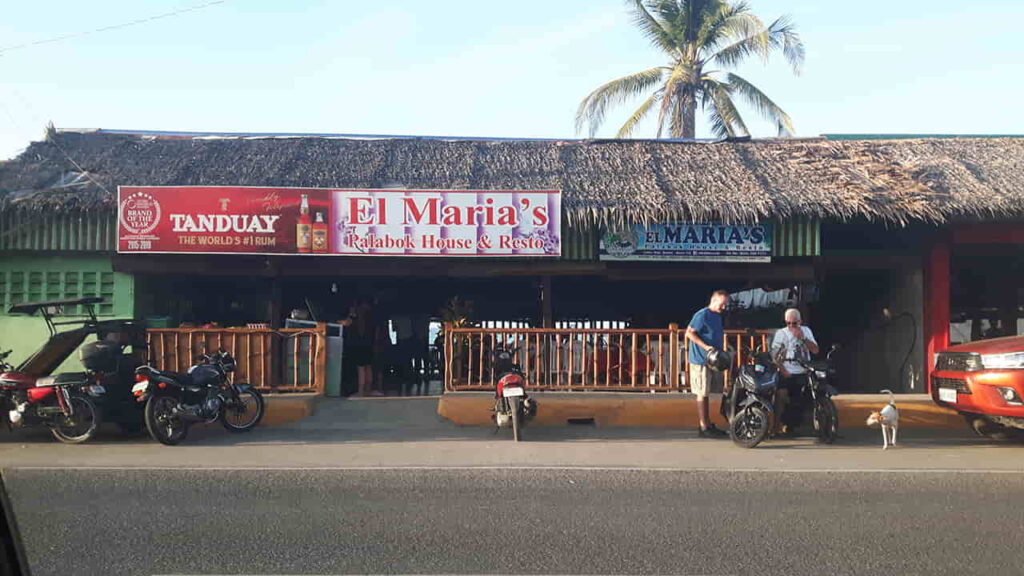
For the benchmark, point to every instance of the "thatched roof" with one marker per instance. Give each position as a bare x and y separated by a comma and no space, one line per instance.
604,181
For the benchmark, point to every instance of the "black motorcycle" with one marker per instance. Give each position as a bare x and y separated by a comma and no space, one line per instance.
175,401
814,402
751,405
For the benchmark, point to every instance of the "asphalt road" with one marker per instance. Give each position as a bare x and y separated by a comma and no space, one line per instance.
517,521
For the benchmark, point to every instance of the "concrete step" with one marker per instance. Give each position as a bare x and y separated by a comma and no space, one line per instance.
372,414
676,410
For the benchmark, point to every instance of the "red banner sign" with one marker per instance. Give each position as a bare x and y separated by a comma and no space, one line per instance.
354,222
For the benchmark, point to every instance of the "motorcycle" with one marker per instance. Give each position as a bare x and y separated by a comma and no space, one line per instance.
111,367
30,394
513,407
751,406
205,394
60,403
815,399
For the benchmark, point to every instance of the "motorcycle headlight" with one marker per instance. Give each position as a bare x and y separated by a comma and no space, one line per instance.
1003,361
821,374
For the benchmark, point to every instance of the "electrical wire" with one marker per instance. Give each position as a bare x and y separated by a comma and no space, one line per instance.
109,28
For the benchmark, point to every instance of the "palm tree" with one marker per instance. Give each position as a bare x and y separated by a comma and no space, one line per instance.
702,39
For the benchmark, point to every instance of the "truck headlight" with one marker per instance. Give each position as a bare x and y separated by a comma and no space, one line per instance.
1003,361
1010,395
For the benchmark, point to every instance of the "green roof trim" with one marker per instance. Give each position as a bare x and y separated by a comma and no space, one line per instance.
796,237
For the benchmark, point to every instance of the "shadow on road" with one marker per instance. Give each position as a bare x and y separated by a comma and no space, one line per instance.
215,436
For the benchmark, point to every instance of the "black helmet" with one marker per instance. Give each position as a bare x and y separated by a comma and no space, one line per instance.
719,360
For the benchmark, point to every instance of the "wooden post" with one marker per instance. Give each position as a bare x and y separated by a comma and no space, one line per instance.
295,359
448,384
673,356
547,314
321,358
274,307
936,305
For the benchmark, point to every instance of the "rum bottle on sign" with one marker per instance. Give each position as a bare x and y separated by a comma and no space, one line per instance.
319,234
304,228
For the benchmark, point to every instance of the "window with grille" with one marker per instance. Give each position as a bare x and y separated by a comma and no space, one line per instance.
18,287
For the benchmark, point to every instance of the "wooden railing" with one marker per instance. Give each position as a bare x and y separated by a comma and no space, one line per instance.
289,360
580,359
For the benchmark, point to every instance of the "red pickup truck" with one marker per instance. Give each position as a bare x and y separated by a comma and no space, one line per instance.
984,381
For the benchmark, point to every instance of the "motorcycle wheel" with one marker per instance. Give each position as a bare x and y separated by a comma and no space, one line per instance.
515,406
163,425
750,427
245,414
826,421
82,425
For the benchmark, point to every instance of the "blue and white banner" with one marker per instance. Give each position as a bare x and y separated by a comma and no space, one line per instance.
689,242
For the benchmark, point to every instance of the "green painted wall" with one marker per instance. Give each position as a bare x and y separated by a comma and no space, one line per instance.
25,277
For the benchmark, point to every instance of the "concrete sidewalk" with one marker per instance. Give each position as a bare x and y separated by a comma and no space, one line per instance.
407,432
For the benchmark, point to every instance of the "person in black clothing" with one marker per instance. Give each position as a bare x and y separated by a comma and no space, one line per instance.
360,335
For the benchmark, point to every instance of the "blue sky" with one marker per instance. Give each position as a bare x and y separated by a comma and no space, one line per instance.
456,67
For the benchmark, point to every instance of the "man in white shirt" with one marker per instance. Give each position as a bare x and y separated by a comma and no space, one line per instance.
794,342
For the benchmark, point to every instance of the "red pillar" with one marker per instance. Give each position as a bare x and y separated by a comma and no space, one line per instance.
936,305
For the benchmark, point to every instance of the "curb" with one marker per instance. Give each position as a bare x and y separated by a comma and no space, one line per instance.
670,410
287,408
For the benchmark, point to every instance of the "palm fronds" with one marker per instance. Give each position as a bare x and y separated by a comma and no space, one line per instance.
762,103
594,107
693,35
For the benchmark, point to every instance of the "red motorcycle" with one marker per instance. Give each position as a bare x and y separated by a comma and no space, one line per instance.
513,407
29,396
58,402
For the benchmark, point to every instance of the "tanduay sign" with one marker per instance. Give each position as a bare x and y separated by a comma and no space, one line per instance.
339,221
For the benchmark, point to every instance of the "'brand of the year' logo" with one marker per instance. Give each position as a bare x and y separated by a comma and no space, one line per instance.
140,213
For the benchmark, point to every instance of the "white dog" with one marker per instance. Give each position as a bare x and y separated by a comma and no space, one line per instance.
888,418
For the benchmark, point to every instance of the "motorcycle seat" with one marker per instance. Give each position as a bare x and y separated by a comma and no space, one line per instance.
72,378
179,377
753,380
66,379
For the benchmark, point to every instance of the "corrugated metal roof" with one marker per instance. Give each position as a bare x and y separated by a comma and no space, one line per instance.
797,237
66,232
